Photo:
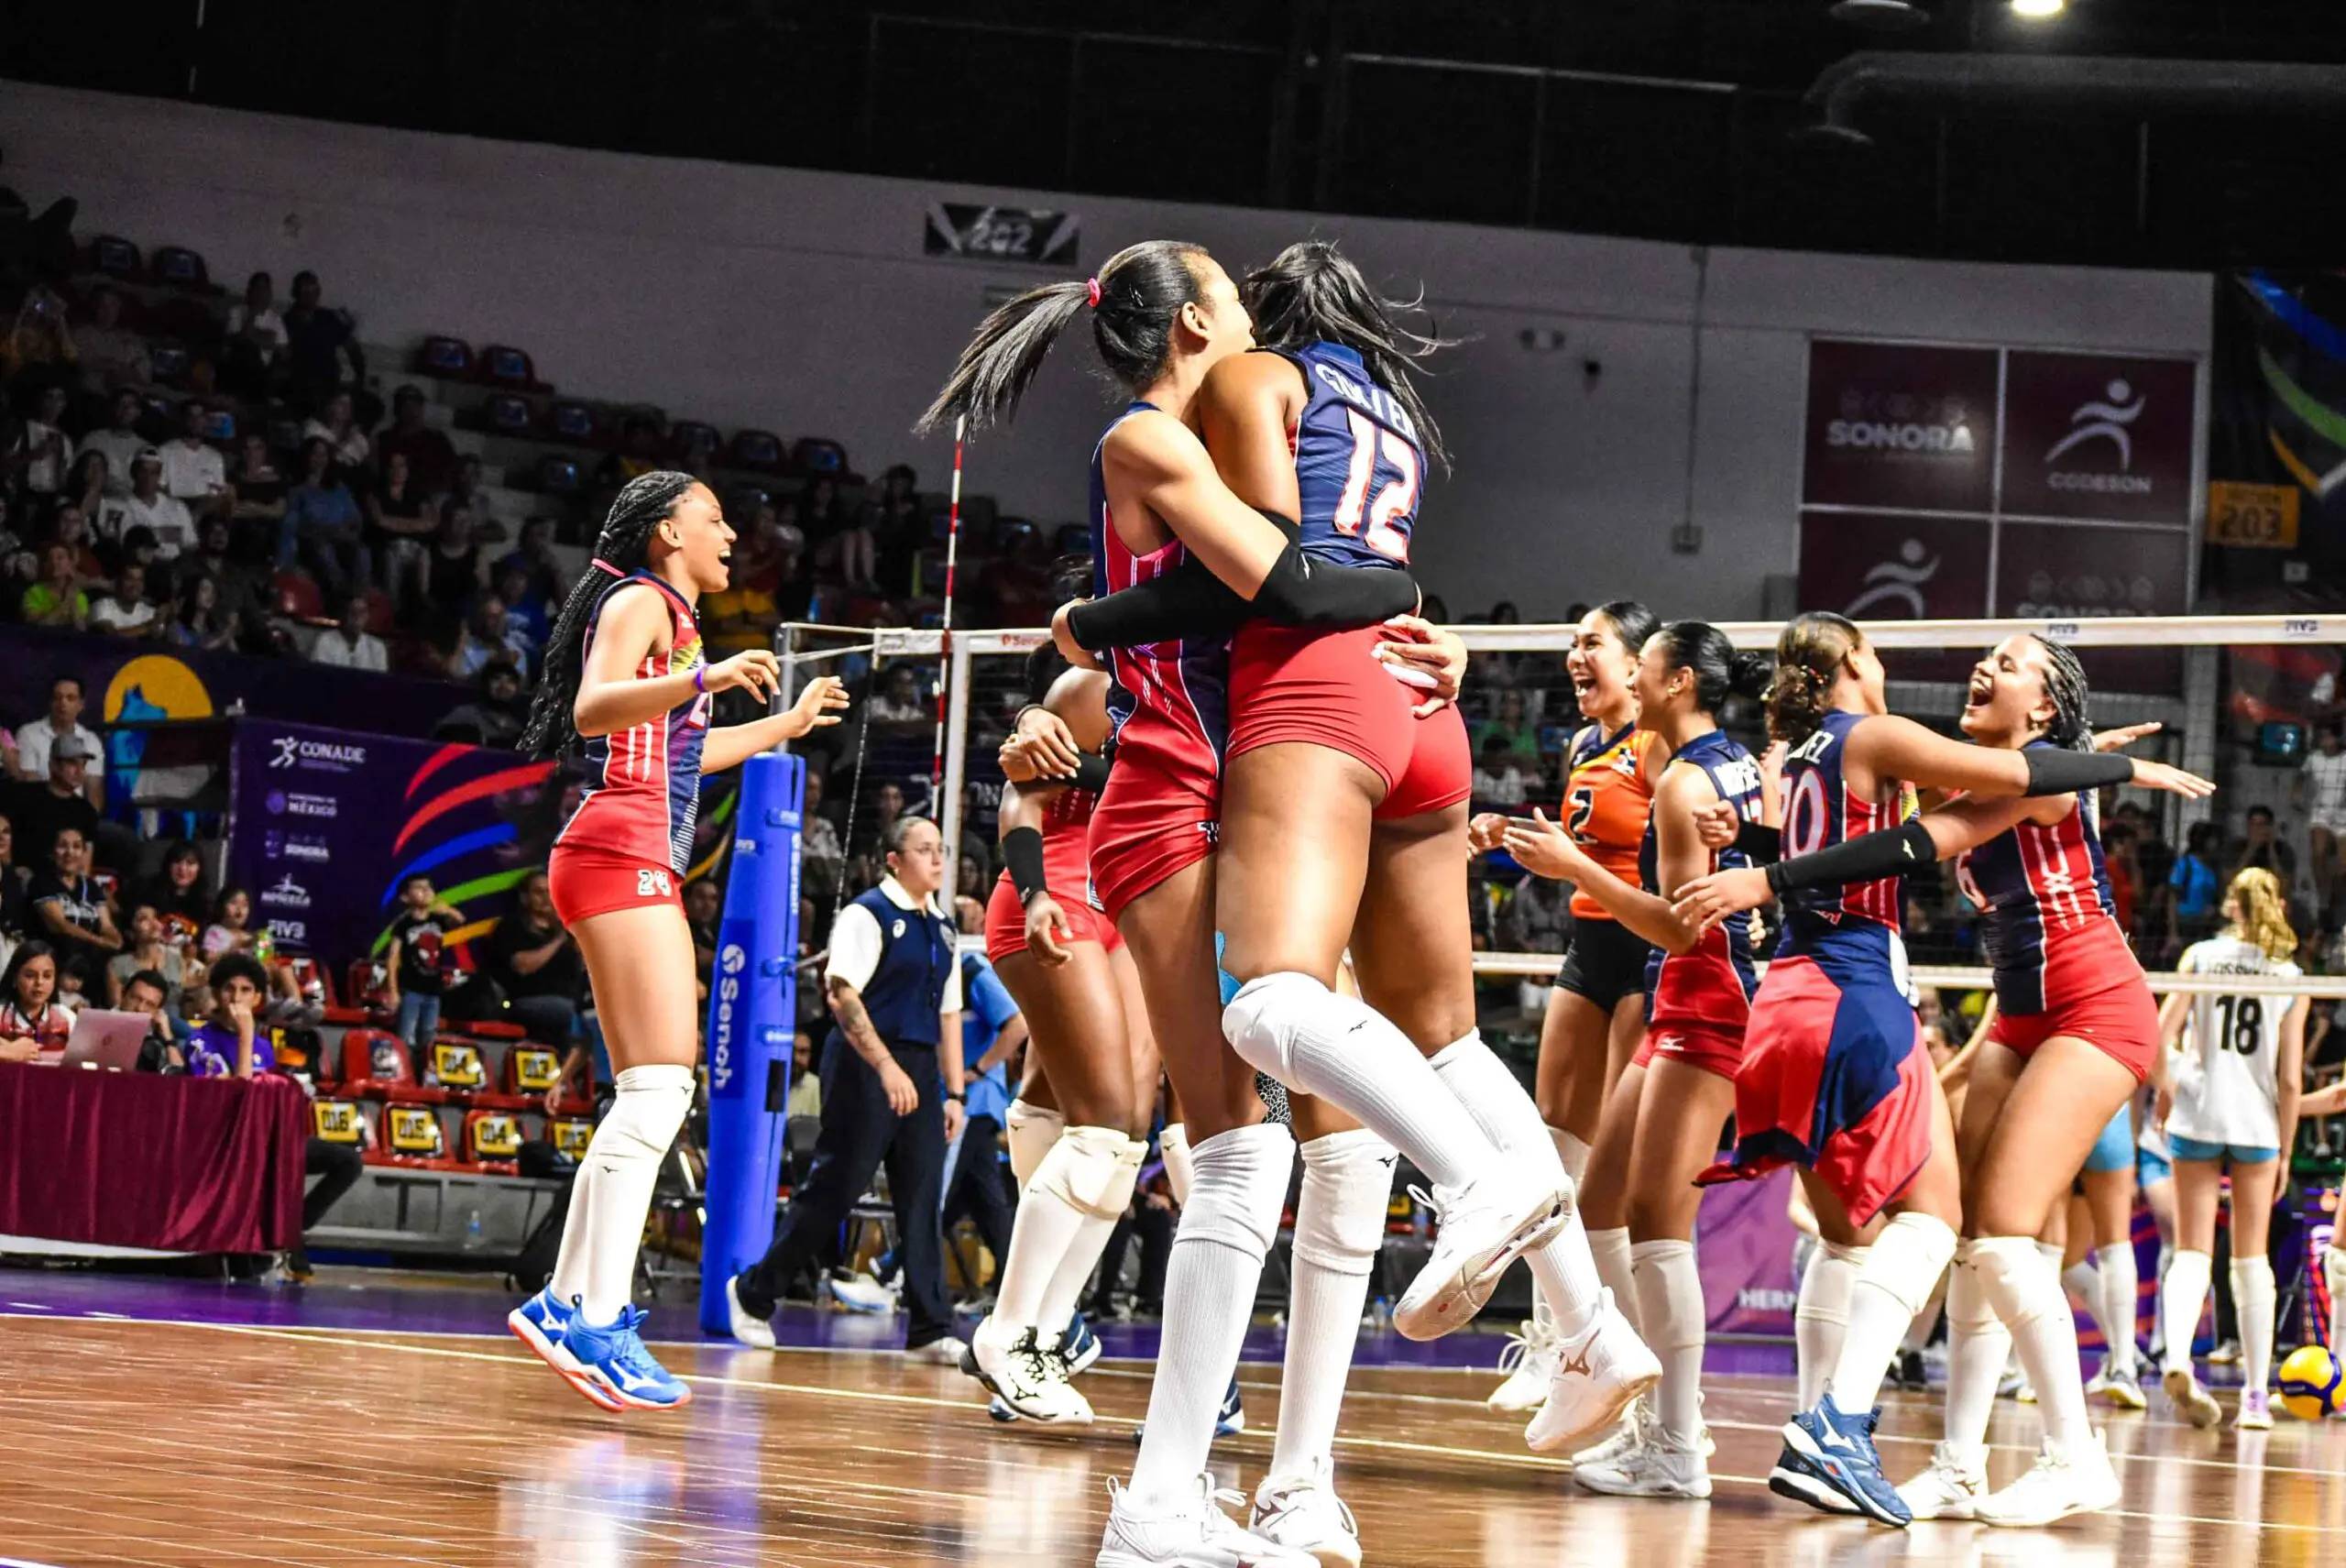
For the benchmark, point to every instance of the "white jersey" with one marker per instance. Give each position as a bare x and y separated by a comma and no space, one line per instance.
2226,1091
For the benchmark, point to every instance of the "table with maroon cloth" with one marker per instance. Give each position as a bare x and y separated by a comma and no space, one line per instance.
133,1160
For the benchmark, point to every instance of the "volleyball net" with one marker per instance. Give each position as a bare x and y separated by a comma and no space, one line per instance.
2237,698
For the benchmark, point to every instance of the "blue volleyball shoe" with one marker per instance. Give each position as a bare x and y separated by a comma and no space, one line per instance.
1829,1463
1229,1421
613,1364
1079,1346
542,1322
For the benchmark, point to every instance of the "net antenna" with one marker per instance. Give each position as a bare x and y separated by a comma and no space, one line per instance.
944,629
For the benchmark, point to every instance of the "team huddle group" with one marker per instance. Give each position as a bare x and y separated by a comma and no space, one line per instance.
1237,836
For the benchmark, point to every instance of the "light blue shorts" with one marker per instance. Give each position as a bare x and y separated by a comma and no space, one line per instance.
2239,1154
2114,1150
2151,1166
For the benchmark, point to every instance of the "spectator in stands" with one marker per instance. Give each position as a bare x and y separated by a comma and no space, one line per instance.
159,1052
2321,794
898,705
322,527
1498,773
88,483
489,633
704,904
2125,873
176,895
532,556
1537,916
416,967
39,452
199,623
120,441
255,344
57,599
638,455
993,1036
465,493
150,950
431,460
123,612
151,507
318,340
193,470
112,354
1016,586
240,593
336,426
451,569
38,347
33,1023
820,853
15,907
2263,848
72,910
260,490
887,805
231,930
2198,888
525,613
401,522
533,958
497,715
899,529
1512,724
350,646
63,719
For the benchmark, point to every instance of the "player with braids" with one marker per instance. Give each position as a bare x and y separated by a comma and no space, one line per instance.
624,676
2075,1032
2231,1095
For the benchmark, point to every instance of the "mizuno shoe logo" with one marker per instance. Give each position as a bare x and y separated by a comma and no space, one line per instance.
1579,1363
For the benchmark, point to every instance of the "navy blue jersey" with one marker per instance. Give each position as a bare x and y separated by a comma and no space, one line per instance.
1820,811
1713,984
2053,932
1359,470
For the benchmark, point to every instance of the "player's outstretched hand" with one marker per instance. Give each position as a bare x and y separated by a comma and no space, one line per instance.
2125,735
1543,847
2174,780
754,670
818,707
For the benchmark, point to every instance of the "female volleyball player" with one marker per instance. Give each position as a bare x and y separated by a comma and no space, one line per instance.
1596,1010
2230,1096
1077,1153
624,674
1679,1087
2073,1037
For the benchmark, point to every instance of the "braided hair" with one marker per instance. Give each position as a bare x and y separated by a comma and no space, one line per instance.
1311,292
2071,726
624,545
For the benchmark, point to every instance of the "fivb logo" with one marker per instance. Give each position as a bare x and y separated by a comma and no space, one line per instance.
731,961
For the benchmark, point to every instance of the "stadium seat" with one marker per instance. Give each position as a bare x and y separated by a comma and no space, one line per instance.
456,1068
502,365
362,990
339,1122
758,451
570,1135
560,476
816,454
115,257
297,596
177,267
573,422
492,1140
220,424
376,1066
509,413
170,363
691,438
446,358
382,613
413,1135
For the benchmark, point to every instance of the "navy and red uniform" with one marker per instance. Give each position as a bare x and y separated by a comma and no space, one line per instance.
1359,470
1608,810
1701,1001
1066,872
1834,1074
2060,959
1168,710
630,838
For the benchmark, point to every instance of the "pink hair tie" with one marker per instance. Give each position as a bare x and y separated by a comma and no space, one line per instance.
1091,292
601,564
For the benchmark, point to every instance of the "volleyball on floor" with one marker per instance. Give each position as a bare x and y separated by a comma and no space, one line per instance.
2310,1383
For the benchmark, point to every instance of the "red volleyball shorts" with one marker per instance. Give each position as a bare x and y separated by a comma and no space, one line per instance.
1325,688
585,882
1160,813
2122,1022
1071,890
1713,1048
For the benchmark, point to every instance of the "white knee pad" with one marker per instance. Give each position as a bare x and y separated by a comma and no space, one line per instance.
1032,1130
2019,1284
1347,1187
646,1116
2252,1281
1908,1258
1968,1310
1091,1169
1832,1272
1239,1187
2333,1269
1260,1021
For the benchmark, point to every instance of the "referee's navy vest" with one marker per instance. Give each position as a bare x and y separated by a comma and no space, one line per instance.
916,958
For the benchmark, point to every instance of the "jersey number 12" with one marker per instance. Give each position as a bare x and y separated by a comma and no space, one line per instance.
1396,499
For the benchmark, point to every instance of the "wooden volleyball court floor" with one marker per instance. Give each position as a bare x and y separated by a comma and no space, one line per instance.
171,1423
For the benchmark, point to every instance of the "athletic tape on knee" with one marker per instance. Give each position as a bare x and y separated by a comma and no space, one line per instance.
1173,1144
1908,1258
1347,1185
1032,1130
645,1115
1260,1021
1239,1187
1089,1171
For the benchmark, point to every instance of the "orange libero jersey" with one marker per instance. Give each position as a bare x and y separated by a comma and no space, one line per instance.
1607,804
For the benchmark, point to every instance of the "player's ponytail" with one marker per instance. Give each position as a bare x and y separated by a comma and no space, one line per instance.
1132,303
2071,726
1719,671
1809,651
624,547
2260,915
1311,292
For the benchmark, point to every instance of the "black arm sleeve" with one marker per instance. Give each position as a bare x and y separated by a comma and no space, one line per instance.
2054,770
1190,601
1870,857
1091,773
1301,591
1764,844
1021,851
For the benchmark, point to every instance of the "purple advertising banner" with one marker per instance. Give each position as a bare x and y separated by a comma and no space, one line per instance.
1745,1240
1895,424
1870,567
325,823
2098,437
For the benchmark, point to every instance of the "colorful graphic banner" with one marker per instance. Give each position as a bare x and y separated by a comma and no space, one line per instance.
2280,398
1744,1239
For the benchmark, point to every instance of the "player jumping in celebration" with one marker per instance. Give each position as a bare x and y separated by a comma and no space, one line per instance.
2074,1033
2231,1095
624,674
1680,1087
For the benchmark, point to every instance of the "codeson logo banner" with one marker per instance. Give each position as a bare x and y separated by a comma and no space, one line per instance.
1949,482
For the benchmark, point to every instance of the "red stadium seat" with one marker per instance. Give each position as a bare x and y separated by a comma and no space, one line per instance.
492,1140
758,451
570,1135
446,358
339,1122
297,596
413,1135
510,413
574,423
456,1068
375,1065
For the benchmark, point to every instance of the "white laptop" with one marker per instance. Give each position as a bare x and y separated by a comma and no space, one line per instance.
105,1039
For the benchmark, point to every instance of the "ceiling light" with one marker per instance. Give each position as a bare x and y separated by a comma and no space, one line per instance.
1884,15
2038,10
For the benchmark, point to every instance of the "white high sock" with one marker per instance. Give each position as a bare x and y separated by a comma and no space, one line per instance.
1564,1270
1610,1251
1228,1226
1901,1269
1670,1304
612,1193
1295,1029
2183,1294
1978,1345
2082,1283
1821,1315
1173,1143
2052,1252
2333,1266
1338,1225
1030,1130
1918,1332
2027,1294
2253,1304
1082,1256
1573,1150
1087,1173
2121,1289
